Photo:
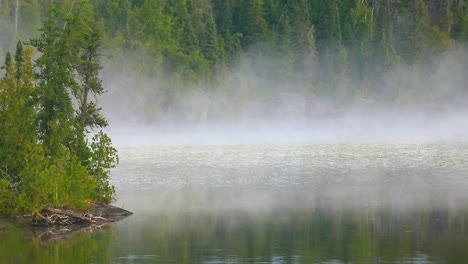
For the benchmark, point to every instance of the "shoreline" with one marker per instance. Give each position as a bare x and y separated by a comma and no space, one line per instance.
54,223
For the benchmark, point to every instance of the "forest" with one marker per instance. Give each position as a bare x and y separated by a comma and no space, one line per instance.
202,60
198,60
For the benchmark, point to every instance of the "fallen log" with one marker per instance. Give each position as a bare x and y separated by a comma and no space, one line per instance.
69,213
104,219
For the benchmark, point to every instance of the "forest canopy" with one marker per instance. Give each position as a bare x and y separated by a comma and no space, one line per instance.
212,59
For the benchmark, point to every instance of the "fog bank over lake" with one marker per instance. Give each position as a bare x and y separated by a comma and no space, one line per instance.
355,126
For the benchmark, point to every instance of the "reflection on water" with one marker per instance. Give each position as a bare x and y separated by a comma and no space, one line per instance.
342,203
21,246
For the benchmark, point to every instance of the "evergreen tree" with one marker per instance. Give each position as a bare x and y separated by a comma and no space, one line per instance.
361,19
16,112
223,11
335,56
332,31
256,27
210,43
88,40
55,82
189,38
383,41
302,38
413,31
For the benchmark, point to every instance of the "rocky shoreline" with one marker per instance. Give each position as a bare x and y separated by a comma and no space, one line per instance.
55,223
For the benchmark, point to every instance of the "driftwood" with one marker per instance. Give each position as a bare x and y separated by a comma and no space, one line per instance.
98,213
69,213
52,223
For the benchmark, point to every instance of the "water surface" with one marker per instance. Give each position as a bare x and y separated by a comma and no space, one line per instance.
276,203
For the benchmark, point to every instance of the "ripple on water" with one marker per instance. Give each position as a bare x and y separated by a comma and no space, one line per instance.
290,164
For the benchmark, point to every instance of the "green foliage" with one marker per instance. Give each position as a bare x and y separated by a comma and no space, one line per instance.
181,44
7,197
45,158
256,28
210,43
103,158
55,81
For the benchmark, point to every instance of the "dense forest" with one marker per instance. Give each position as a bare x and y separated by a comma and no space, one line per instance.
214,59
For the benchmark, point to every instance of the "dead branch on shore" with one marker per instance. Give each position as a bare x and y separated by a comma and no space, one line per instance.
56,216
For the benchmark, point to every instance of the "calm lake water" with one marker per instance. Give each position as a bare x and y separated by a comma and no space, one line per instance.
283,203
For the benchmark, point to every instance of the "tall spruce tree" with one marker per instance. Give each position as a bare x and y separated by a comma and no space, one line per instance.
17,112
256,27
413,32
361,20
384,52
335,55
210,43
55,83
88,41
99,156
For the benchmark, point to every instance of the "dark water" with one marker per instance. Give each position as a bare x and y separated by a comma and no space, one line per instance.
300,203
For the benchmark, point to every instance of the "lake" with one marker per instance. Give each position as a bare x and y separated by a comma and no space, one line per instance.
275,203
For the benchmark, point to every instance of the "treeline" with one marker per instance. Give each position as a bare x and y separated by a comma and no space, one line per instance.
234,55
238,53
47,111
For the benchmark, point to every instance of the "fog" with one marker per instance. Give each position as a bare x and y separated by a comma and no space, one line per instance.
248,104
182,160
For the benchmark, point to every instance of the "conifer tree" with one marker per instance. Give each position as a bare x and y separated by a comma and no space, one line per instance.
256,27
384,47
17,125
332,32
361,20
335,56
88,40
86,37
55,83
210,43
223,12
413,32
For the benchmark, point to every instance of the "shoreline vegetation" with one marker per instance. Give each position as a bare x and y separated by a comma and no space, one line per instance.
55,160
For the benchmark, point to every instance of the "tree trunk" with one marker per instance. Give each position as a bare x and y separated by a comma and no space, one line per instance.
84,109
84,101
16,19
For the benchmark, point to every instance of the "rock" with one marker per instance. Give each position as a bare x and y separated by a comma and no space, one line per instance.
108,211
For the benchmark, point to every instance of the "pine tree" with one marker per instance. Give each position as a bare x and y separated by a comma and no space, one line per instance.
335,56
332,32
55,83
210,43
383,41
16,110
88,40
189,38
413,31
361,20
256,27
223,12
